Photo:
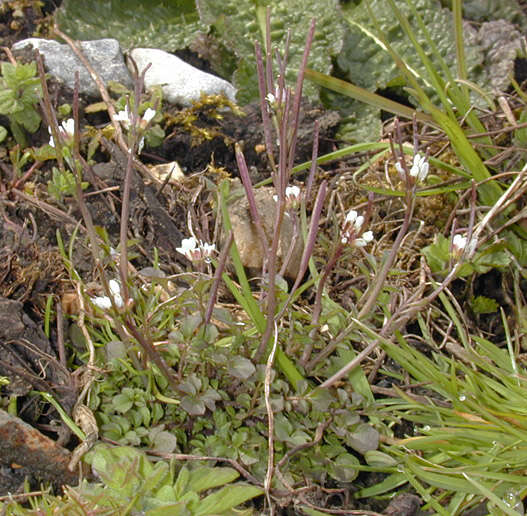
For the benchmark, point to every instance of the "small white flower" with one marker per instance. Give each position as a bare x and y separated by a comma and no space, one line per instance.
353,221
66,129
292,193
461,244
351,230
419,168
189,248
270,98
275,98
358,223
104,302
351,216
194,250
124,117
418,171
207,249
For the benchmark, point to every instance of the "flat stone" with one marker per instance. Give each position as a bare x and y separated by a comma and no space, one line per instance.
181,83
103,54
246,235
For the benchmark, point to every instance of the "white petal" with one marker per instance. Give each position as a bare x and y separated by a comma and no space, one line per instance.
123,116
359,222
69,126
459,242
118,300
351,216
188,245
423,172
367,236
292,191
149,115
115,288
102,302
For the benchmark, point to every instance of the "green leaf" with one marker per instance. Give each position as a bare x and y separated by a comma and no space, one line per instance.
227,498
494,10
176,509
240,22
344,468
180,486
9,74
437,254
3,133
379,459
157,478
7,102
193,405
28,118
123,402
241,367
365,438
484,305
206,477
163,440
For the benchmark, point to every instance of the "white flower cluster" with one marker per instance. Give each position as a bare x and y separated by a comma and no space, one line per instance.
292,196
351,230
125,117
194,250
66,129
419,169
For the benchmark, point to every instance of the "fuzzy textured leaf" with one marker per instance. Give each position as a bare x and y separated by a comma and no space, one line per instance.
240,22
168,25
366,63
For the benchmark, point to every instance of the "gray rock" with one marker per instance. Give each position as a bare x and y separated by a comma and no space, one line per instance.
246,235
181,82
104,55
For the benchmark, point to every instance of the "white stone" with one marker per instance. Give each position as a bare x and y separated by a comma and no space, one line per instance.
181,82
171,170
